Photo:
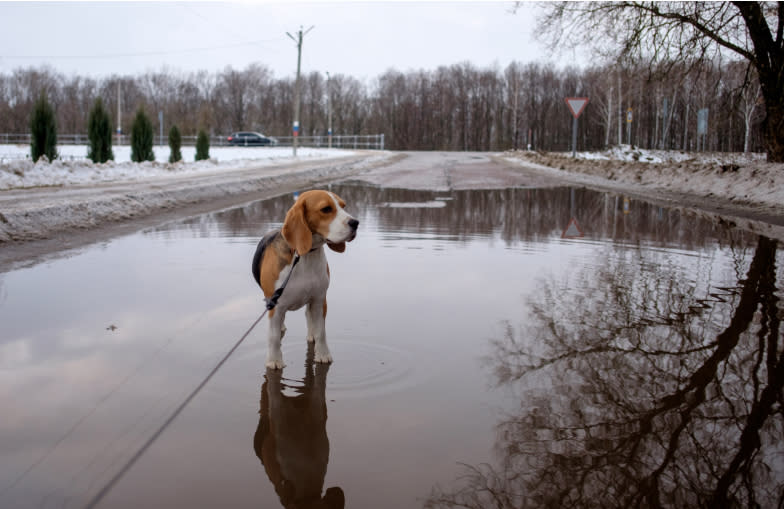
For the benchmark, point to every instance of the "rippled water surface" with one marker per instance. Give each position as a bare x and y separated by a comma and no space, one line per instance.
542,347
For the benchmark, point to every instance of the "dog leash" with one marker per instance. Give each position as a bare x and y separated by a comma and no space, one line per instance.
271,303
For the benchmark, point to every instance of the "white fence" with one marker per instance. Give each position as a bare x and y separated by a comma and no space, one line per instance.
345,141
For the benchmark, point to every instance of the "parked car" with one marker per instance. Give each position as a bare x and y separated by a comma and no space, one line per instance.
248,138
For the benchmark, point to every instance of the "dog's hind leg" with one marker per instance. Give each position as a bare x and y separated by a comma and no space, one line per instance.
316,313
311,320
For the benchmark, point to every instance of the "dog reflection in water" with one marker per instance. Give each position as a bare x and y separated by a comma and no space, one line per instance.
291,438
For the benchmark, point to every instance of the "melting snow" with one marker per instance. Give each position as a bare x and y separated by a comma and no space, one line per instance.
17,170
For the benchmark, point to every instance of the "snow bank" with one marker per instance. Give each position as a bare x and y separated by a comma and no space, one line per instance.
746,179
628,153
39,200
17,170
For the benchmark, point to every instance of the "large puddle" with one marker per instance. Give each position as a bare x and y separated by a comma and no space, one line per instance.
489,352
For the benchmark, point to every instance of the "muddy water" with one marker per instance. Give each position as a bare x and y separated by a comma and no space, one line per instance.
552,347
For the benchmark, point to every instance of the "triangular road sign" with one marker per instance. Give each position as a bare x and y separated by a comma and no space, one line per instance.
576,105
572,230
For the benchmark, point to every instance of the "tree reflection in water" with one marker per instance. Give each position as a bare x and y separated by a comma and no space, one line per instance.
637,393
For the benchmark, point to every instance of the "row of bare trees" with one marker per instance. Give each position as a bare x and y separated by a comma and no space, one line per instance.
459,107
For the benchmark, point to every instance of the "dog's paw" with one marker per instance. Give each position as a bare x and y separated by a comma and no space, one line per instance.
323,358
275,364
311,338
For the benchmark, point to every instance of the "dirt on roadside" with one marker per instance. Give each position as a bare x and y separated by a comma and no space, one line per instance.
746,194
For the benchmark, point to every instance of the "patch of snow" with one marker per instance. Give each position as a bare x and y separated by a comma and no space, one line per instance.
737,177
629,153
72,167
415,205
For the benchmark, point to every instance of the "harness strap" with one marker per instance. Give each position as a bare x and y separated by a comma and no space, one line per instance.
273,301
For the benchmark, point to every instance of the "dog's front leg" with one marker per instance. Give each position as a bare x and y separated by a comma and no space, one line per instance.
316,314
276,330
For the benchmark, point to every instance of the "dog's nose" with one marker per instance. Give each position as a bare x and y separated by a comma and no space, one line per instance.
353,223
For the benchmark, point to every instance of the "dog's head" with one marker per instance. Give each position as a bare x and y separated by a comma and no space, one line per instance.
319,213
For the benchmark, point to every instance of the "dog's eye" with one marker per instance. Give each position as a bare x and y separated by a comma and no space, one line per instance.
326,209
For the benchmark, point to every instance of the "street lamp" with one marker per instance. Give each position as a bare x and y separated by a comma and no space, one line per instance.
329,113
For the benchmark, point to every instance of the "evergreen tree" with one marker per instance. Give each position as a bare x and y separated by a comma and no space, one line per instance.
142,138
99,131
202,146
43,130
175,141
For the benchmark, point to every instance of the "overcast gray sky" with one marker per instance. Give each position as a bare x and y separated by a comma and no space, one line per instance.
360,39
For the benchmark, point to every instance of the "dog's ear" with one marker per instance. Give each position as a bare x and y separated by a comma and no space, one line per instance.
296,230
338,247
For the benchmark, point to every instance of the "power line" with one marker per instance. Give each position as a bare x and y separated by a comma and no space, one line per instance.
213,23
141,54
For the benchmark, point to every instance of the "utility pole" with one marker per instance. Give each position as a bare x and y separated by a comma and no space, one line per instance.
620,111
329,114
119,114
298,41
515,130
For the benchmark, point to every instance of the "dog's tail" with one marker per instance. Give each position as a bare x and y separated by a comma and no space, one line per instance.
263,243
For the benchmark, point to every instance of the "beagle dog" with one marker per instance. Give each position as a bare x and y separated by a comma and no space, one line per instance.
317,218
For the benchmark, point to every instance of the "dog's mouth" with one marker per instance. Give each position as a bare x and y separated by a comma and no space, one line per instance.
351,236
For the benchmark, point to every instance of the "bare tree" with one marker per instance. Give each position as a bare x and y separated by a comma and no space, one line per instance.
749,100
662,32
234,98
457,107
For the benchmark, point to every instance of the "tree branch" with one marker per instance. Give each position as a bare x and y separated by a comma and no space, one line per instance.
694,22
759,32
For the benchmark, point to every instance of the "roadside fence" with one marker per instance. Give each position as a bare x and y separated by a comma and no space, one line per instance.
344,141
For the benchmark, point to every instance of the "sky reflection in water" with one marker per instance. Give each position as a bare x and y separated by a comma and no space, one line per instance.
634,365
